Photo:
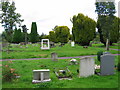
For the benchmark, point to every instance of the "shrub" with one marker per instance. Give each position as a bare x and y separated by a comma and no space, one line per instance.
99,53
8,73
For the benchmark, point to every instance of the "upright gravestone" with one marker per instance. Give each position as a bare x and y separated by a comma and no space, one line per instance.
54,57
41,76
72,44
107,64
45,44
86,67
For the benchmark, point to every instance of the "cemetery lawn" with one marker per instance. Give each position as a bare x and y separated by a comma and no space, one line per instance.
24,69
34,51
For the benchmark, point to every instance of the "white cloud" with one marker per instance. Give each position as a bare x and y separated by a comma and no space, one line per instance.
48,13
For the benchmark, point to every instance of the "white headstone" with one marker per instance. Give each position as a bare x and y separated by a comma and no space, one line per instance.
86,67
41,76
72,44
47,44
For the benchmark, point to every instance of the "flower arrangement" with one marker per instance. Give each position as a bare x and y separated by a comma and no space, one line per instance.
63,73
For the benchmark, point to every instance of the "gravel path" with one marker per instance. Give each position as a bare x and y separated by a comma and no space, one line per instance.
115,49
58,58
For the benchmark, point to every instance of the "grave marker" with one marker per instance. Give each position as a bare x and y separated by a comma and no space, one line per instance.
107,64
41,76
54,57
45,44
86,67
72,44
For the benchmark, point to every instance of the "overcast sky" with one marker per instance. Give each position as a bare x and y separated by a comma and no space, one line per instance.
49,13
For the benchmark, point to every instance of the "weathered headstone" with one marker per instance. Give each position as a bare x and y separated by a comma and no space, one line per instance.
54,57
45,44
107,64
86,67
52,44
72,44
41,76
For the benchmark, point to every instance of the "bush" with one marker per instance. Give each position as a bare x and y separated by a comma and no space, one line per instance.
99,53
8,73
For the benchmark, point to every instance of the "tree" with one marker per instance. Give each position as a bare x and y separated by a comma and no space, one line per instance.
34,37
25,33
105,11
17,37
9,18
62,34
83,29
52,36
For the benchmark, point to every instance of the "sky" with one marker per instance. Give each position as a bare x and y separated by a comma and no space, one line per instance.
49,13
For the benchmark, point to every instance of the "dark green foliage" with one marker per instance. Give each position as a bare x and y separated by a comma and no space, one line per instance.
60,34
107,23
9,18
99,53
17,36
34,37
105,8
83,29
52,36
108,28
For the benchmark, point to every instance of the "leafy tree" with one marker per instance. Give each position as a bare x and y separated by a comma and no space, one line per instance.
52,36
106,22
83,29
9,18
34,37
62,34
17,37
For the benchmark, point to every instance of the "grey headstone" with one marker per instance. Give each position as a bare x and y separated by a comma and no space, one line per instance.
86,67
42,75
54,57
107,65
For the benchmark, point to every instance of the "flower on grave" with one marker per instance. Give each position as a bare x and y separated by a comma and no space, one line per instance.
6,66
15,74
73,60
12,70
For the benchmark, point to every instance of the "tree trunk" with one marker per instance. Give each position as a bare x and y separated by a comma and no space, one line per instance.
107,45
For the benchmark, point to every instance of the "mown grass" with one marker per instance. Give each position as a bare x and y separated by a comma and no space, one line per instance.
34,51
24,69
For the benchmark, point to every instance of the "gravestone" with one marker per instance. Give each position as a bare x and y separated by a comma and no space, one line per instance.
54,57
45,44
72,44
86,67
107,64
41,76
52,44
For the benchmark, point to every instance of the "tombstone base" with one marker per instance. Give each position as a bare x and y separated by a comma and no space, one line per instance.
39,81
65,78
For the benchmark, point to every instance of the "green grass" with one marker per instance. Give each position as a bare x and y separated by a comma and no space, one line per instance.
24,69
65,51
